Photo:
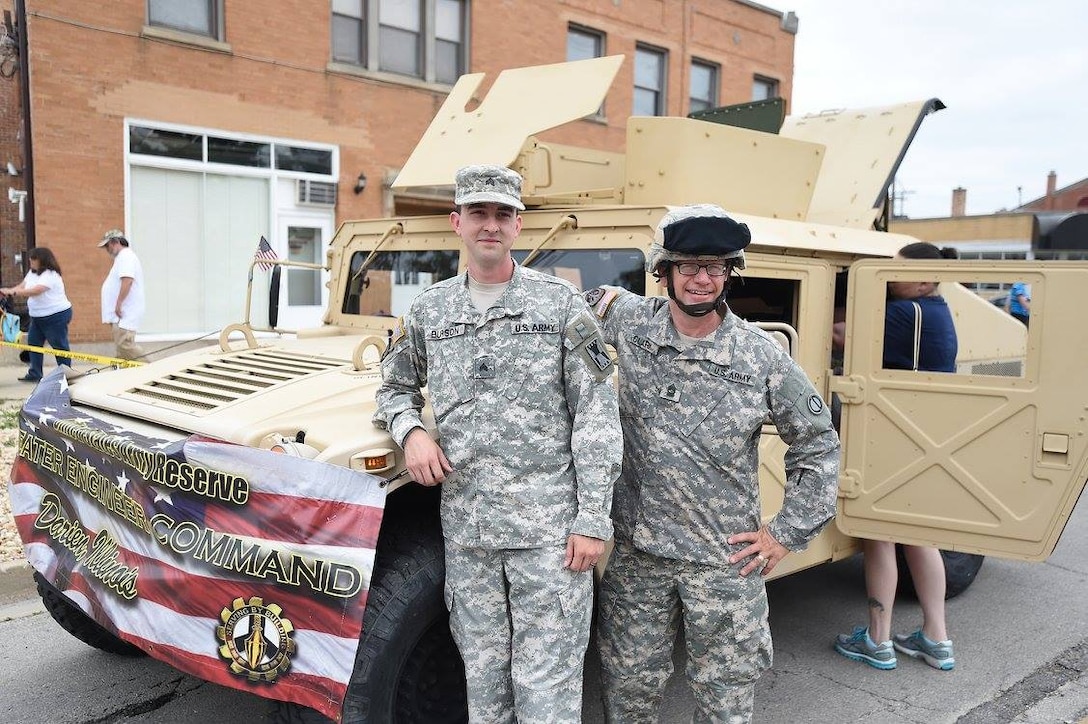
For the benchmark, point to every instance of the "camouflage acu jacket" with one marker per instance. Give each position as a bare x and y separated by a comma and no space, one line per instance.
691,423
525,406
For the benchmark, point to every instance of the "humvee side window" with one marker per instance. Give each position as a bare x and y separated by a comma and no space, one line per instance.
954,329
758,299
590,268
393,279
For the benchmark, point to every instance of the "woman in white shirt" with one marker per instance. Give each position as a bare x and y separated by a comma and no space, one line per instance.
50,310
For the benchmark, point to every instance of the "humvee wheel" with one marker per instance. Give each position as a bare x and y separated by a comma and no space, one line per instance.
72,619
407,668
960,570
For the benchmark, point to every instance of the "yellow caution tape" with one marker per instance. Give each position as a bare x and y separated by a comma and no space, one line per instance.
97,358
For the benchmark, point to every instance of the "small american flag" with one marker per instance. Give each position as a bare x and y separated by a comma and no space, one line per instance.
265,251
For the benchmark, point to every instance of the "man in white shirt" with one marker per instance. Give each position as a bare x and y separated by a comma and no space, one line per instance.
123,294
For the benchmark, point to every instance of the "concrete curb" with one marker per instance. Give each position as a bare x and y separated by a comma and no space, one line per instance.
16,581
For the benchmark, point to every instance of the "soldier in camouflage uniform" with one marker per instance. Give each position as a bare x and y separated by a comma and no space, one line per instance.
519,381
696,384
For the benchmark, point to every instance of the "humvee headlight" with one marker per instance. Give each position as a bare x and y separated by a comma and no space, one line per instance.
375,460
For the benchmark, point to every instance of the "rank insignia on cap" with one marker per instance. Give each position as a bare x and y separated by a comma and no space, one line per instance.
483,184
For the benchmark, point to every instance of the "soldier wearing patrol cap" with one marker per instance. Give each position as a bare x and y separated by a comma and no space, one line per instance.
519,380
696,384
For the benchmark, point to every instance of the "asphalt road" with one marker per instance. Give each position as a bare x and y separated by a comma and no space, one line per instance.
1021,635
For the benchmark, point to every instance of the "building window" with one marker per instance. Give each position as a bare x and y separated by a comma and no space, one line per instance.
309,160
170,144
200,17
236,153
186,146
649,98
764,88
583,43
704,86
449,34
422,39
348,31
400,41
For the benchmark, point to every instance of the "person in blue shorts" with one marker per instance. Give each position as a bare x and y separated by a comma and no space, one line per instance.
1018,303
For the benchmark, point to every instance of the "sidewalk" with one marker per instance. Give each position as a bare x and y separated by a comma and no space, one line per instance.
16,582
11,369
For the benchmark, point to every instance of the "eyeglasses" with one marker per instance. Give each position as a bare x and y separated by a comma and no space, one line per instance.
690,269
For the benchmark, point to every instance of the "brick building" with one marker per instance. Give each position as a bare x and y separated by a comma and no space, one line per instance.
198,126
1073,197
12,159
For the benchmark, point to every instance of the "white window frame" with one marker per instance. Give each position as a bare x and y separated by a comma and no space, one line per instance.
278,206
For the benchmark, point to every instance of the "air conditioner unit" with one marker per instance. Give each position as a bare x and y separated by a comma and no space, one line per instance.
316,193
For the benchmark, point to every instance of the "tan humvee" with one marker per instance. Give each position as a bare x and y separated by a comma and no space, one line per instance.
990,460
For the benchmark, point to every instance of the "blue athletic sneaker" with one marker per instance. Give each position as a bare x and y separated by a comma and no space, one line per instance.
937,654
859,647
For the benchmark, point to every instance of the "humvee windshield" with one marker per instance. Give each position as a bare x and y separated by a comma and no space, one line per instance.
590,268
394,278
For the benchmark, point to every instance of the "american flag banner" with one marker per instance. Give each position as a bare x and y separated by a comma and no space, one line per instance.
265,251
240,566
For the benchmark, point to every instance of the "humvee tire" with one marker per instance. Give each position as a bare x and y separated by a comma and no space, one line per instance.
72,619
407,668
960,570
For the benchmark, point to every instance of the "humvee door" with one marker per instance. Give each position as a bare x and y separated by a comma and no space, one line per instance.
990,459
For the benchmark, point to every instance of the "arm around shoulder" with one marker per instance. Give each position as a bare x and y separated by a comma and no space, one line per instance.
596,438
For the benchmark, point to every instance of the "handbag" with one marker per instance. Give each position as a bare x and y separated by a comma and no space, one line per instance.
11,326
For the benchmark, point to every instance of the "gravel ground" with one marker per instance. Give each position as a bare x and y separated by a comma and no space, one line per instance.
11,547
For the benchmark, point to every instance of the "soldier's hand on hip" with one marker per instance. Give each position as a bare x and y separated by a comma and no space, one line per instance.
425,459
583,552
762,555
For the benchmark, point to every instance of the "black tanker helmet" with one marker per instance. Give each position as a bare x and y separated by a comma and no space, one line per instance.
701,233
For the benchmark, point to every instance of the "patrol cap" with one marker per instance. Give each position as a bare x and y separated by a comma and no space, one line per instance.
113,235
698,231
488,183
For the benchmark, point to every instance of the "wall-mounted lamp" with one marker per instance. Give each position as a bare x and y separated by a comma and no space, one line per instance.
18,196
360,183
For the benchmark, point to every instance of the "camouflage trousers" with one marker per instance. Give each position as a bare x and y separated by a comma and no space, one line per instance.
521,621
642,599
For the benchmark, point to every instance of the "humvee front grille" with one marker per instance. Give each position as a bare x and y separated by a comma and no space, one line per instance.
227,379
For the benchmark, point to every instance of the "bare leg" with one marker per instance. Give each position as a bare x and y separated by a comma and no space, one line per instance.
927,570
881,579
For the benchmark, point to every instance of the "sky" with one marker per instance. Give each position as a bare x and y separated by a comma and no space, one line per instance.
1013,75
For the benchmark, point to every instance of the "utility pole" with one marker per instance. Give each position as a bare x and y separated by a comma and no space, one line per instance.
899,194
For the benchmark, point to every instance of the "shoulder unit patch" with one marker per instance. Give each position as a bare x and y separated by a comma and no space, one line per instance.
600,300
